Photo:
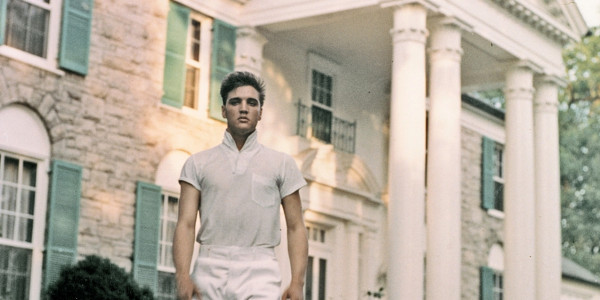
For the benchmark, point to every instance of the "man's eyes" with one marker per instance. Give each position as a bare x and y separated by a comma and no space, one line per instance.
250,102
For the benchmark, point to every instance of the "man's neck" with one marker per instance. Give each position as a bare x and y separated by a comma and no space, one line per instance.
239,139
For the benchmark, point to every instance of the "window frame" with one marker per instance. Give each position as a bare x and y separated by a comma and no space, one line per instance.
495,211
36,246
202,84
320,249
50,62
329,68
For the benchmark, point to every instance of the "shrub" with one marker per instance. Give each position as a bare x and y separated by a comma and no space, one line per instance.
96,278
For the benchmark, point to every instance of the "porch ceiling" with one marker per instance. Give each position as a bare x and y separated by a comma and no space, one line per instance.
359,40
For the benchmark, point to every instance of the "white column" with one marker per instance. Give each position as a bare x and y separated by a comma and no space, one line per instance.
248,50
519,192
443,163
351,265
547,189
406,208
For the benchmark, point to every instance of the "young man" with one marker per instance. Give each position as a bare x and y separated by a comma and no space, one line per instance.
237,187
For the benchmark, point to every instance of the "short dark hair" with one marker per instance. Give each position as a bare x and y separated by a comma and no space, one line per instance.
237,79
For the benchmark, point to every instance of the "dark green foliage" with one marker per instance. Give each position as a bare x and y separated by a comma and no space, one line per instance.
96,278
579,123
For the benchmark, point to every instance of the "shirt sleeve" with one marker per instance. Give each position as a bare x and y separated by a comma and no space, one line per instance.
292,179
189,173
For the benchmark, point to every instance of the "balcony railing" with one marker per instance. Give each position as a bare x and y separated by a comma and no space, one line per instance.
321,124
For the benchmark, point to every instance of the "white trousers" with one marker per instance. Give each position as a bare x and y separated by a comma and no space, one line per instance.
237,273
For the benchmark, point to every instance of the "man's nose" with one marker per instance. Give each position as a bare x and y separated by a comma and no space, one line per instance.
244,106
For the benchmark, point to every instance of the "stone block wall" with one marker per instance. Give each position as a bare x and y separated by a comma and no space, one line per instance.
479,229
111,121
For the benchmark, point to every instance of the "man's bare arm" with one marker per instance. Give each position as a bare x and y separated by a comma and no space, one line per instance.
183,240
297,244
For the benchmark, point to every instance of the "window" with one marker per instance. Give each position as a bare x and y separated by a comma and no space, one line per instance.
30,32
321,95
315,234
167,176
197,61
491,275
492,175
24,182
200,51
498,177
316,272
18,188
316,119
27,26
492,286
166,269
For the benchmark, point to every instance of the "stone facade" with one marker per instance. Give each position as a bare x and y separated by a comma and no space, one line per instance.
110,122
479,229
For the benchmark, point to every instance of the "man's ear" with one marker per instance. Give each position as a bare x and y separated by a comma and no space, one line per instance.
260,114
223,114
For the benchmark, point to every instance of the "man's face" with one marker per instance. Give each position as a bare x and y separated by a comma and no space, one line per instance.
242,110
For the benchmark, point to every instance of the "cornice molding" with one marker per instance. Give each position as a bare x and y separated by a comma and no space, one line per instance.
538,20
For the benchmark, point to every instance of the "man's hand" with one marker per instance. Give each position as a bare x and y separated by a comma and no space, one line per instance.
293,292
186,289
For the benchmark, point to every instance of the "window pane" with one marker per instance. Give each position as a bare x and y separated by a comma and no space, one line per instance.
172,208
191,86
29,173
195,41
25,229
321,123
27,27
309,279
7,226
27,202
15,266
322,277
499,196
38,20
166,286
11,170
9,198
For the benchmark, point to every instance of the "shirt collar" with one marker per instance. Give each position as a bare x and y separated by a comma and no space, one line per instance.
250,144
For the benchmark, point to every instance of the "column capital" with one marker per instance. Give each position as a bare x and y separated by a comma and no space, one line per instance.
519,80
409,34
446,38
452,22
431,5
544,79
546,97
525,64
251,33
249,48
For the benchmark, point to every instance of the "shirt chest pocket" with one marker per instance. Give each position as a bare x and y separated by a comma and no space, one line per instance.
264,191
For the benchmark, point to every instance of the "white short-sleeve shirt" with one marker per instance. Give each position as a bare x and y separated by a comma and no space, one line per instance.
241,191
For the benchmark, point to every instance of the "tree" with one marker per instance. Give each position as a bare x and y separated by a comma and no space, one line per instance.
579,123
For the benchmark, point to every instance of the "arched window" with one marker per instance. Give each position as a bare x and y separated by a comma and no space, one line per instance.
24,162
167,177
492,279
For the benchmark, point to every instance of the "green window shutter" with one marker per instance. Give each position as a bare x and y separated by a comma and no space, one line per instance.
486,283
147,229
75,37
63,218
222,63
487,173
174,71
2,20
